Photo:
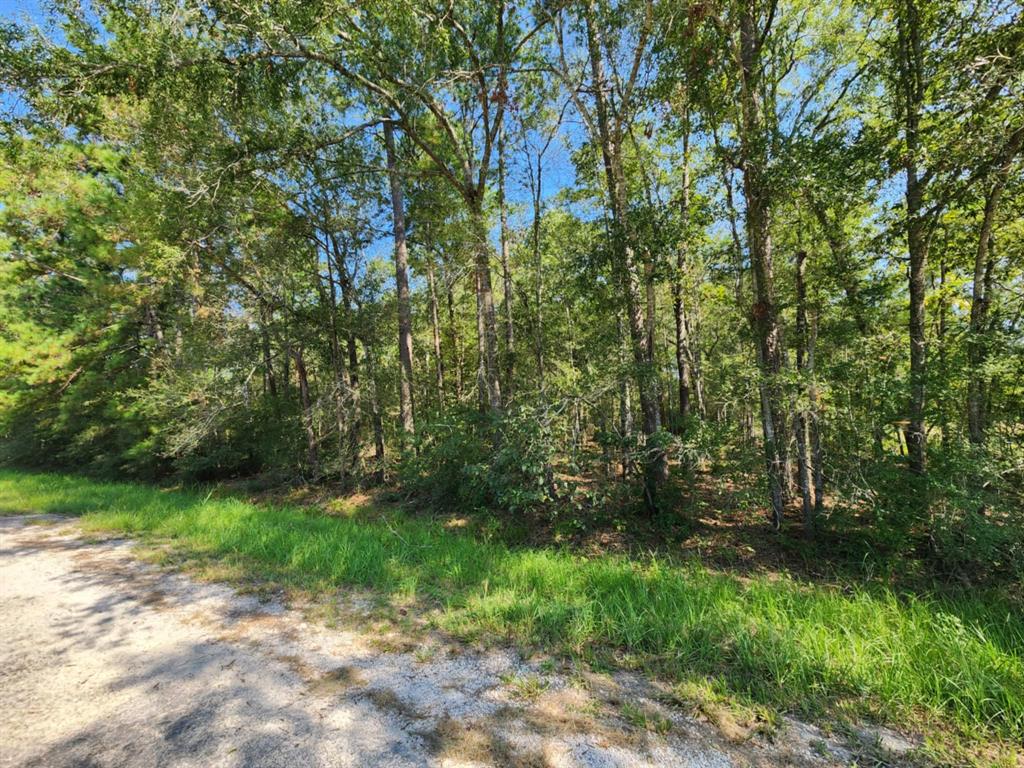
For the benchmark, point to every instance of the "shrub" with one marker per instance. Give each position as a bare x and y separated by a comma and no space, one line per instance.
481,461
976,527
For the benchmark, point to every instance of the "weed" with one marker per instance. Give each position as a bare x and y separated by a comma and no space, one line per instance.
645,718
528,687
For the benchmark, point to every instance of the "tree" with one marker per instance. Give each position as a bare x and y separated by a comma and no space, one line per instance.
401,284
614,106
940,99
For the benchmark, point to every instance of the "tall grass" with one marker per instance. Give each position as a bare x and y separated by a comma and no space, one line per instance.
796,646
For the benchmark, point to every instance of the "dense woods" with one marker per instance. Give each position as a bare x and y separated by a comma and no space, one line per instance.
579,263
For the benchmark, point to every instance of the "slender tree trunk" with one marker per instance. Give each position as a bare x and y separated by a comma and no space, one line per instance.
631,276
195,294
737,248
816,425
286,377
576,433
682,353
791,480
805,421
651,304
453,328
940,338
355,420
155,329
405,378
753,141
356,410
538,287
803,440
375,413
682,341
481,346
312,455
912,85
696,369
435,327
487,341
506,273
271,384
981,299
268,360
916,435
625,406
341,387
739,296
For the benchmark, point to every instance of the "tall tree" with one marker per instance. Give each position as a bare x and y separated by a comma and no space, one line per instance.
614,106
405,356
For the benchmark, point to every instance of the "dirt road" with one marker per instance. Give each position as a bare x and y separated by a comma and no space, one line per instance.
107,661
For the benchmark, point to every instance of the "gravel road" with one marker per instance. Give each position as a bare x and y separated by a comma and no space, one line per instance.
108,661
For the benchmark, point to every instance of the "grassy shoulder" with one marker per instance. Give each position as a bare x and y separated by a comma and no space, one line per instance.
951,666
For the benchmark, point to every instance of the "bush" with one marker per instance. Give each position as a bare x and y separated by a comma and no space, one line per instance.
976,527
483,462
961,520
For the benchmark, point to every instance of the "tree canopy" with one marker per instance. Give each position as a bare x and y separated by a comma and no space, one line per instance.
567,260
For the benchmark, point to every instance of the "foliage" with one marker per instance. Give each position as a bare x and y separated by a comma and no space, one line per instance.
476,462
975,525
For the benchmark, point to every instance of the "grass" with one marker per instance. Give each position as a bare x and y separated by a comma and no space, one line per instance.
946,664
645,719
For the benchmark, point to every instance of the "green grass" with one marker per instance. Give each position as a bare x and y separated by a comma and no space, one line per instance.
941,663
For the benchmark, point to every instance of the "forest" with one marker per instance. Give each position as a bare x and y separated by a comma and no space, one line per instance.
740,280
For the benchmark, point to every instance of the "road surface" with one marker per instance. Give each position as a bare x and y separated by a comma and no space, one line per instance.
106,661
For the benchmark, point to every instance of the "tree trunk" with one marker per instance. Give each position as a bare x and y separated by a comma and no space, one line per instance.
375,413
694,357
917,246
753,141
453,328
630,275
487,341
625,407
815,425
268,361
355,422
341,382
651,299
981,300
155,329
481,346
286,373
435,327
538,288
807,446
405,393
312,455
940,338
506,274
348,301
682,341
911,81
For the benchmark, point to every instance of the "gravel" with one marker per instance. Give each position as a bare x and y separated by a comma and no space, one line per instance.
108,661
